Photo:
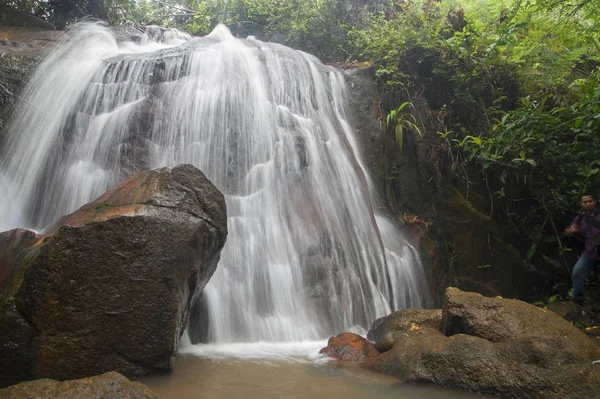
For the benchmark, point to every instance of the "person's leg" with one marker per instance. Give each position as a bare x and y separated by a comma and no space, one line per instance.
581,270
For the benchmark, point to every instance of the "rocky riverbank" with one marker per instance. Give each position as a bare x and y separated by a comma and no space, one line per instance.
496,346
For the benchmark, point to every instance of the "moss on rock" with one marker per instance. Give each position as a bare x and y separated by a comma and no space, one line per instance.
482,260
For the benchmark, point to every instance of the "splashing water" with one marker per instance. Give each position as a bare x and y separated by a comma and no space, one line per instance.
305,256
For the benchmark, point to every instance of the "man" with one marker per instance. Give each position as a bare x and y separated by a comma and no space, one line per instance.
585,226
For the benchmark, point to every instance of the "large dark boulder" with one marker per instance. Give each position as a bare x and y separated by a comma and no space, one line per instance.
108,385
496,346
110,286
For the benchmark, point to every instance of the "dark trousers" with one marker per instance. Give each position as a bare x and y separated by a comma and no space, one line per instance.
582,269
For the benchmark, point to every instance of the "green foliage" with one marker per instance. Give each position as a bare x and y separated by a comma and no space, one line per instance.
514,85
398,121
552,149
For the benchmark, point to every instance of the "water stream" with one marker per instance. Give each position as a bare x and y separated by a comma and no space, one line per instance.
306,257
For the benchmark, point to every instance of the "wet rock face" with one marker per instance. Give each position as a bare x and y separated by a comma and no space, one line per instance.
328,276
387,330
21,50
110,287
108,385
496,346
349,346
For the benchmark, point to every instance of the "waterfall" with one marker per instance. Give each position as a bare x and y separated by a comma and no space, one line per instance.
305,257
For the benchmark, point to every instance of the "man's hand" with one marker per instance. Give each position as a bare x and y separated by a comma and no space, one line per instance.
572,229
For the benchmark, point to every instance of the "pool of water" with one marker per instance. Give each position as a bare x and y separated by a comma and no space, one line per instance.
281,371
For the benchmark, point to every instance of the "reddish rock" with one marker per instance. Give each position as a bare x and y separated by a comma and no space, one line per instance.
349,346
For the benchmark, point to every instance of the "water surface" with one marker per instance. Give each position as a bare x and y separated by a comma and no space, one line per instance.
286,370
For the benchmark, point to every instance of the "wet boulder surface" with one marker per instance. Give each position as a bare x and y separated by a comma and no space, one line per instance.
495,346
385,330
349,346
107,385
110,286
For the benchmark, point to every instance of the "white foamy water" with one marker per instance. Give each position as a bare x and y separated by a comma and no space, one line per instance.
291,352
305,257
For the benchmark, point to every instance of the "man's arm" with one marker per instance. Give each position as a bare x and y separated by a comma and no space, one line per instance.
572,229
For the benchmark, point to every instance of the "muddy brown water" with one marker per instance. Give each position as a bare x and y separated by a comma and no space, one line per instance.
213,375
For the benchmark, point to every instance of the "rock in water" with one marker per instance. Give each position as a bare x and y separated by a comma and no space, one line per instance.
496,346
110,286
108,385
349,346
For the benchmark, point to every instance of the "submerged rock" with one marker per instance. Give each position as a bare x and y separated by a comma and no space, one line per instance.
349,346
495,346
110,286
108,385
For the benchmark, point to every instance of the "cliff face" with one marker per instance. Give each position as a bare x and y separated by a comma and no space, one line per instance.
446,215
21,50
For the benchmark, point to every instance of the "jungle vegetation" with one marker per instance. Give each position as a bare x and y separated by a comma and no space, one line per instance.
512,85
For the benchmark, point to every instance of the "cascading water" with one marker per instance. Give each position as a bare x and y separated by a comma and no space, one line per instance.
305,257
